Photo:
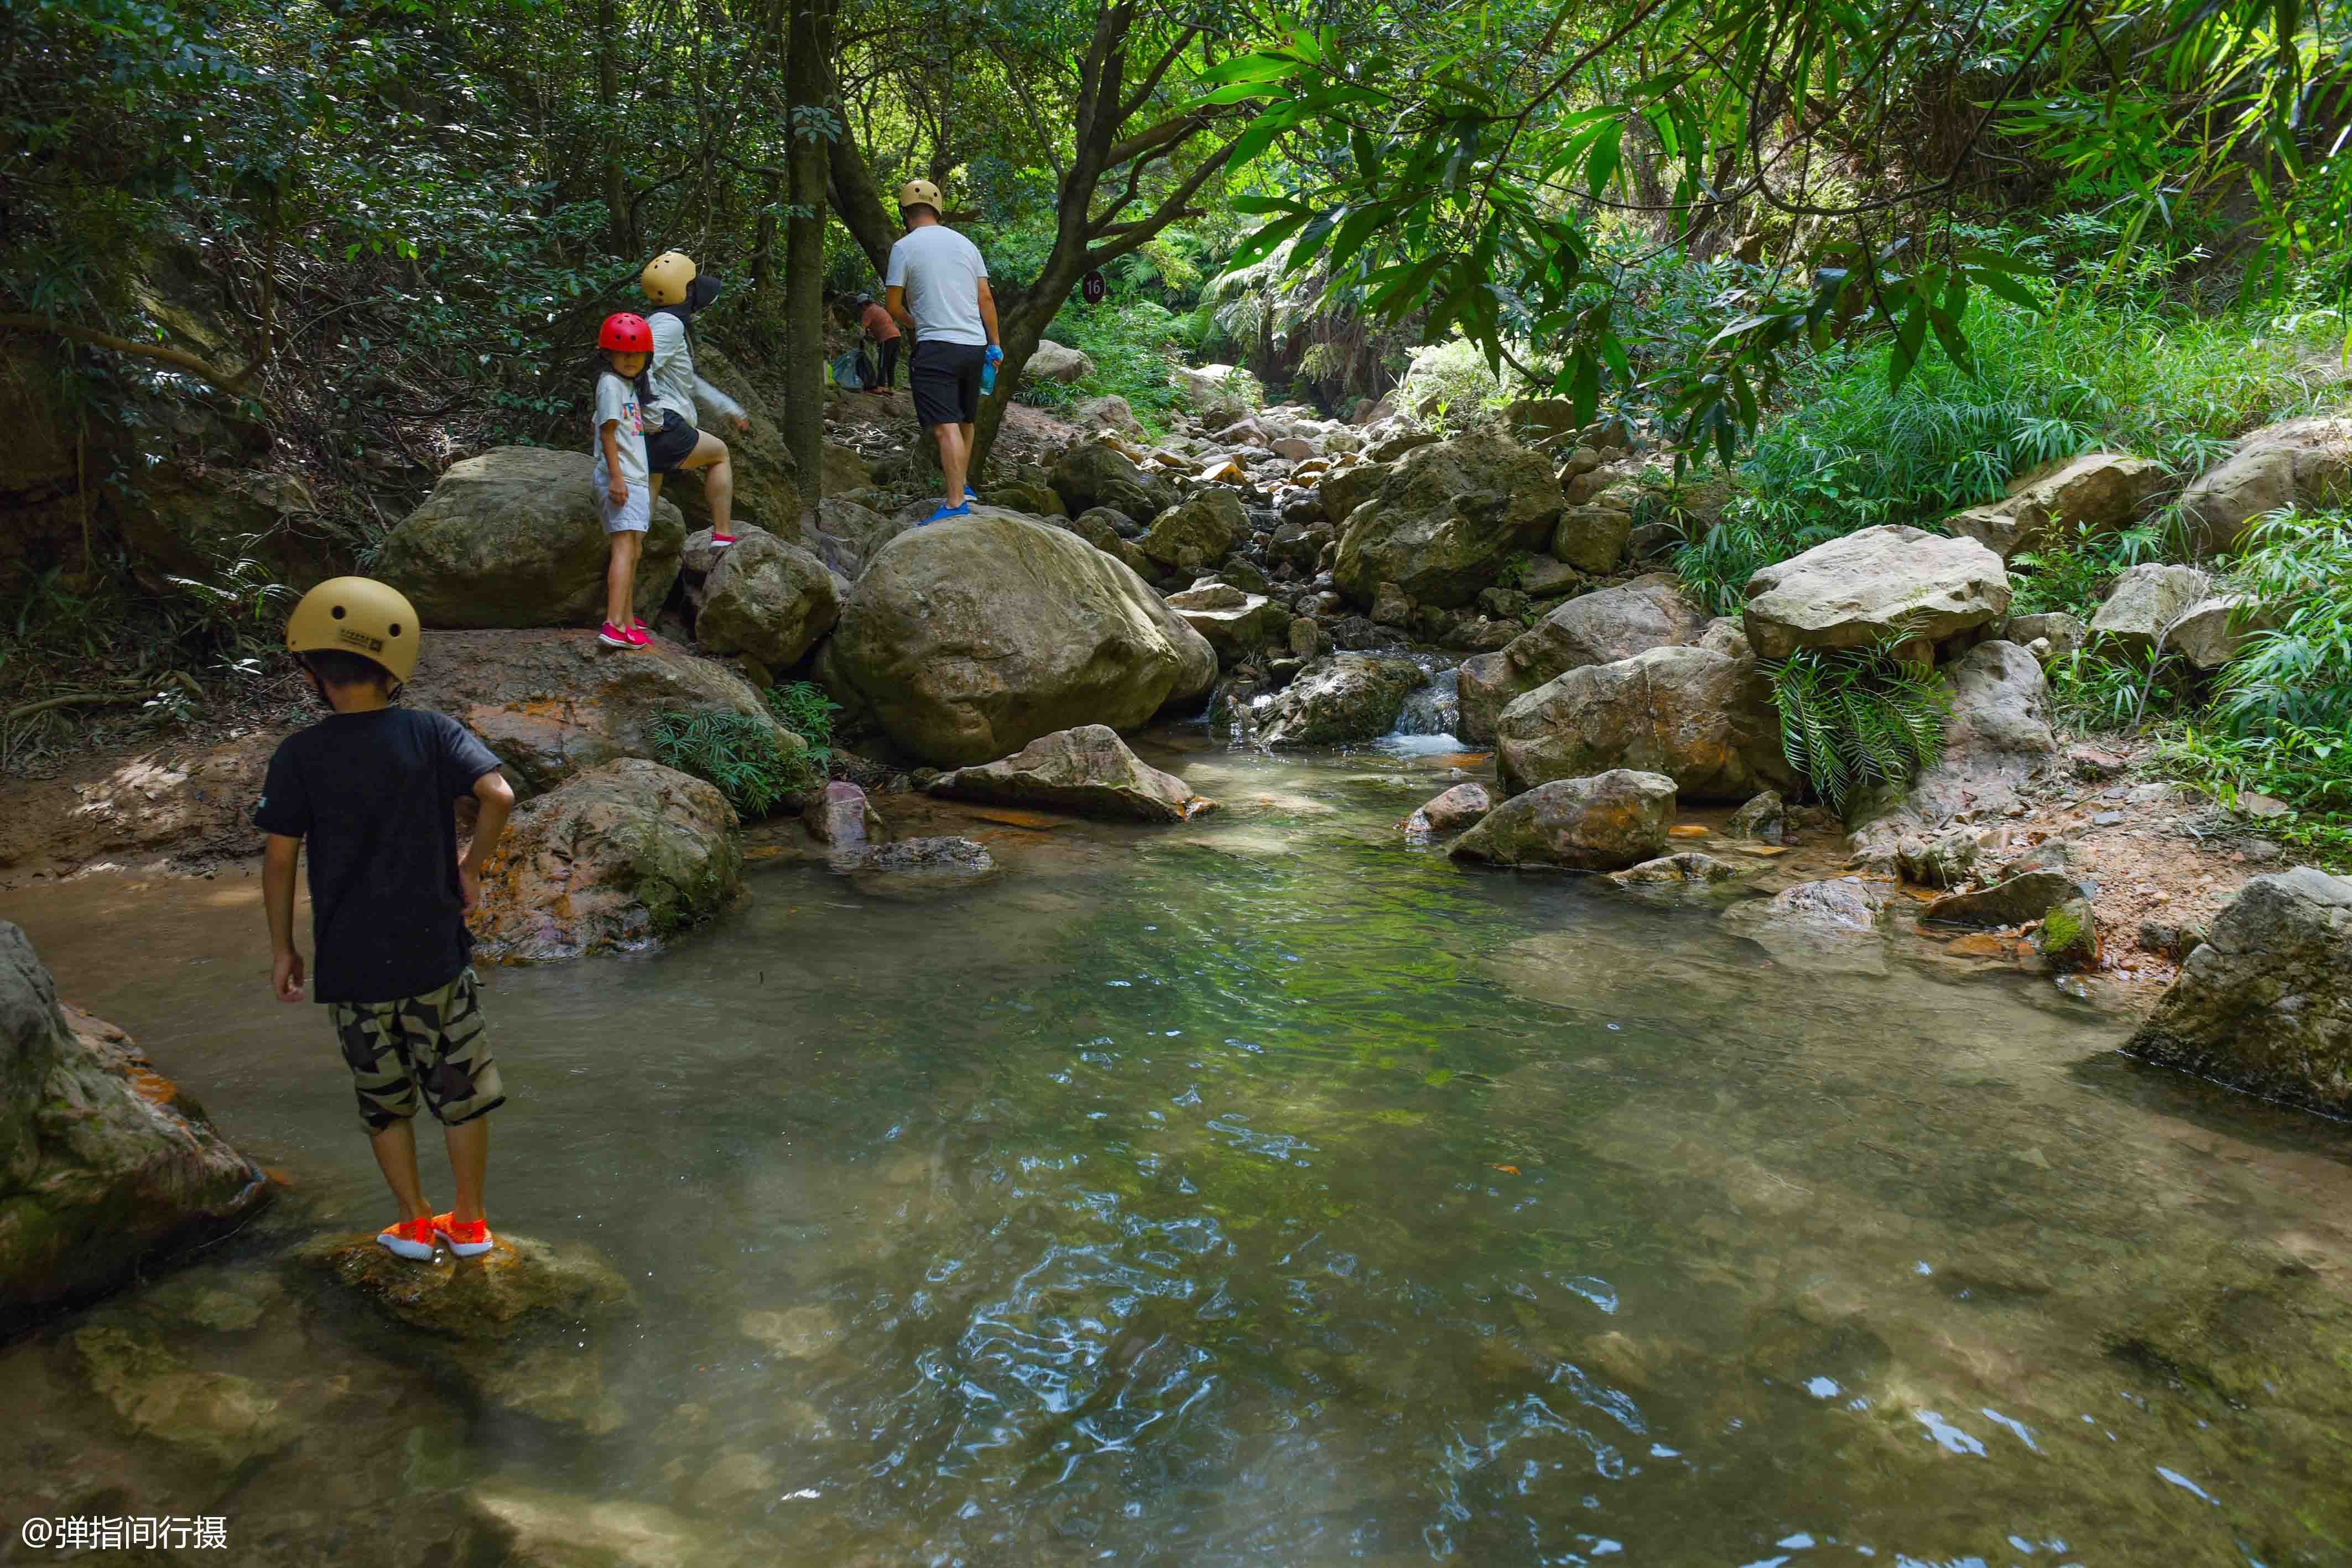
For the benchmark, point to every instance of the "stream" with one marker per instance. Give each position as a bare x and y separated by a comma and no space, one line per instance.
1268,1190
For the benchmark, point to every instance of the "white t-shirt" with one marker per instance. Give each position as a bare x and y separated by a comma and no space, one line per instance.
940,271
616,402
677,388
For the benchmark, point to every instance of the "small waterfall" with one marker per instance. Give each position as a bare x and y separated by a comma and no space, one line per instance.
1428,717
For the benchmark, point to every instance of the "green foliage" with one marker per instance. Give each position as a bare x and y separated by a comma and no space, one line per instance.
1850,721
802,708
1133,342
745,758
2100,686
1454,379
2074,575
2282,720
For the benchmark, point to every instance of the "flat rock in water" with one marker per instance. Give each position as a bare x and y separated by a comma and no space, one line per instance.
517,1527
2266,1002
1832,926
1088,771
1606,823
925,865
1689,866
1887,584
520,1285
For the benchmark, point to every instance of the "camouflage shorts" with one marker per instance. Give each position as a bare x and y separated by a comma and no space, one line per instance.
436,1043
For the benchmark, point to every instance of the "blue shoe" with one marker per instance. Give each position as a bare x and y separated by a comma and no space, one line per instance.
944,513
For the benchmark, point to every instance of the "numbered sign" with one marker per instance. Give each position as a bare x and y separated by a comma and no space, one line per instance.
1094,288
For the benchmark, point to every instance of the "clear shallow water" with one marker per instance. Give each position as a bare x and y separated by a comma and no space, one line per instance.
1266,1191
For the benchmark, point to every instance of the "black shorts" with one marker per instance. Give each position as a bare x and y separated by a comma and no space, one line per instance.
671,446
946,381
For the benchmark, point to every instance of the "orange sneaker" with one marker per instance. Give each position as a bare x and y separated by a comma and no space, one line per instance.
469,1240
411,1238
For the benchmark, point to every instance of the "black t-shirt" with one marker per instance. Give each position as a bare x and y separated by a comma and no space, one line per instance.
370,793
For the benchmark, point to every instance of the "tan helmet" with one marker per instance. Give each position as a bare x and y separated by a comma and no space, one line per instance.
921,193
665,277
356,615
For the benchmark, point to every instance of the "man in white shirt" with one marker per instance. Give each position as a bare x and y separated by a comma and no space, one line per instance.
939,290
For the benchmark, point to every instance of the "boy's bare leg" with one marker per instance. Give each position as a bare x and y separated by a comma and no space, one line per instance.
955,447
621,577
396,1156
469,1162
718,482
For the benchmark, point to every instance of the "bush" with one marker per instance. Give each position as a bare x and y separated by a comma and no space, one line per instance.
1134,344
1852,720
738,753
1455,379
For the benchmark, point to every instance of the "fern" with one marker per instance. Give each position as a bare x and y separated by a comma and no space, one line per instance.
1853,721
744,758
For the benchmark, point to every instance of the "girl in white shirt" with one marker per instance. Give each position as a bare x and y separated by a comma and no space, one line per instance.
624,487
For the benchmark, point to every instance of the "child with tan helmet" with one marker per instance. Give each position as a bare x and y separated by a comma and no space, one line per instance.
370,791
673,442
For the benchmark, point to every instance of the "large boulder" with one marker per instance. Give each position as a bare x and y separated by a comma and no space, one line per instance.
556,704
2304,463
767,598
1597,628
1703,718
1887,584
610,861
2265,1003
859,525
1340,700
1088,771
1096,473
1050,361
2147,602
1445,518
1111,413
515,537
1606,823
1206,526
1592,539
969,639
103,1161
1217,389
1235,624
2098,493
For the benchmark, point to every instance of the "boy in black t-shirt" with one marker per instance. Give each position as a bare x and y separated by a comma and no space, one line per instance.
371,787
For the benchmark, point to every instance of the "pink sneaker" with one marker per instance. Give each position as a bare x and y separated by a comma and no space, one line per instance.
631,637
721,541
411,1238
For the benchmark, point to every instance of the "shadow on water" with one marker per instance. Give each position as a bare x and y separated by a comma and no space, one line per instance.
1266,1190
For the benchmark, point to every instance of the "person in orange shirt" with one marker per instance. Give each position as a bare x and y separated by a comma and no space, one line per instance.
879,325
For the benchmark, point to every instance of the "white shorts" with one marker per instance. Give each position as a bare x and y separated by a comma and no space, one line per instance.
633,516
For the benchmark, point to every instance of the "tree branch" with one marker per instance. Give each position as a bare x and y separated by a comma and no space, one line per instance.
227,380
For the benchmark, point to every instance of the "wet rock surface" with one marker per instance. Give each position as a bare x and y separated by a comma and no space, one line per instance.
1606,823
103,1161
1341,700
612,861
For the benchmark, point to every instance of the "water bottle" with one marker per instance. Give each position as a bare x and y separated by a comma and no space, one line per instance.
988,377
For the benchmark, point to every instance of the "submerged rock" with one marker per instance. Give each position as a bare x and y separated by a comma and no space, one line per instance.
1341,700
2265,1003
1607,822
517,1527
226,1419
917,864
1460,807
556,704
514,538
969,639
1887,584
1703,719
103,1161
1831,926
611,861
520,1285
1445,519
1088,771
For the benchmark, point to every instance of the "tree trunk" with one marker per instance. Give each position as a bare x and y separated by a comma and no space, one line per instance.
620,231
806,84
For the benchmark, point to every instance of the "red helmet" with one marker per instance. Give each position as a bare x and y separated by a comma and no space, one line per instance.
628,334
